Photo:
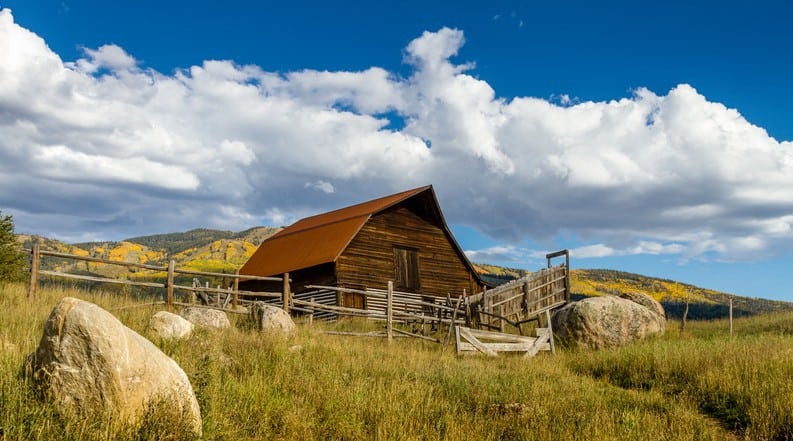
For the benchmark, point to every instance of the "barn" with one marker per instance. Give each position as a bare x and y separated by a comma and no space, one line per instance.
401,238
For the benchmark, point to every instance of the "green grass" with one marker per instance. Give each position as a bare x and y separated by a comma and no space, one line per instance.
699,385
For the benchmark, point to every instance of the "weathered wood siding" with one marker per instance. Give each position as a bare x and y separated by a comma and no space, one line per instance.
369,258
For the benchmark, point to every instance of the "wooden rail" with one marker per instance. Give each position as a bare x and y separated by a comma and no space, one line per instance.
170,273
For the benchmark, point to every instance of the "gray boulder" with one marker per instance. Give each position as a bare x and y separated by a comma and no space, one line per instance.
272,320
170,326
646,301
607,321
90,365
206,318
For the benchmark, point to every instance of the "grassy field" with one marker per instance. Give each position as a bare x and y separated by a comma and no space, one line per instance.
702,384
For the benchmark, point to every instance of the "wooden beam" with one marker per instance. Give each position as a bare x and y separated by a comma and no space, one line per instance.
100,279
286,293
390,311
236,298
169,284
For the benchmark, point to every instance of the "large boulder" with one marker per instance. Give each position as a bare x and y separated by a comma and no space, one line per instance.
646,301
206,317
607,321
170,326
272,320
90,365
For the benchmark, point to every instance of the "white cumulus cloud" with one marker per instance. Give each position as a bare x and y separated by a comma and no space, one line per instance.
103,147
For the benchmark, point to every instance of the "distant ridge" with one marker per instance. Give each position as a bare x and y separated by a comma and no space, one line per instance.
704,303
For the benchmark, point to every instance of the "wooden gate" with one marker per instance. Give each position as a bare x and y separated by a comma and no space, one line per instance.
524,299
491,343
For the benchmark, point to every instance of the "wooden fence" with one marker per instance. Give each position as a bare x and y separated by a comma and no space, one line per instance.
514,303
231,294
524,299
320,302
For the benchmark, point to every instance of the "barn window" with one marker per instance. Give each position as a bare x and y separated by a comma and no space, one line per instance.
406,268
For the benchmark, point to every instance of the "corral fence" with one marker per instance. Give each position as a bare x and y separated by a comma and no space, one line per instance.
212,297
514,303
389,306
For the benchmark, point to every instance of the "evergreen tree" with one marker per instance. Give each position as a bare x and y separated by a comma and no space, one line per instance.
12,259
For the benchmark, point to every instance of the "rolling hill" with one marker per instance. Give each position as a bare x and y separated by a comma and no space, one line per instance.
199,250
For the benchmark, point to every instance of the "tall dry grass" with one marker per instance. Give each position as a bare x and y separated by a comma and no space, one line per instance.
319,386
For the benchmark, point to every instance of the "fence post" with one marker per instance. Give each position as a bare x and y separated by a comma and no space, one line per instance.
389,323
730,315
169,288
467,309
311,316
286,293
485,317
236,296
685,312
35,258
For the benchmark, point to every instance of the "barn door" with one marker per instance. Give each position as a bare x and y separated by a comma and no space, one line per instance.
354,300
406,269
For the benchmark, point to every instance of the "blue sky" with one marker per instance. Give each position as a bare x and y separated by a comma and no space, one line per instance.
647,137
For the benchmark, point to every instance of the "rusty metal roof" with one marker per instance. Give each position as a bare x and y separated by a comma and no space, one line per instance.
322,238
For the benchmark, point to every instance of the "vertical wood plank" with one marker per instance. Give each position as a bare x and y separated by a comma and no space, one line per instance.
457,339
390,311
485,317
467,309
685,312
35,259
550,330
567,276
236,296
286,293
452,324
169,287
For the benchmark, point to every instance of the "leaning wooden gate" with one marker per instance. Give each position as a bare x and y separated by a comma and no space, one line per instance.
524,299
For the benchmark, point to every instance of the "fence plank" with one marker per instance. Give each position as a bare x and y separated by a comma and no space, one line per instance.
169,284
550,330
389,324
451,325
100,279
466,334
410,334
236,299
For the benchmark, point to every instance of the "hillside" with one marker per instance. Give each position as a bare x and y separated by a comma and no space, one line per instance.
704,303
200,250
175,243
